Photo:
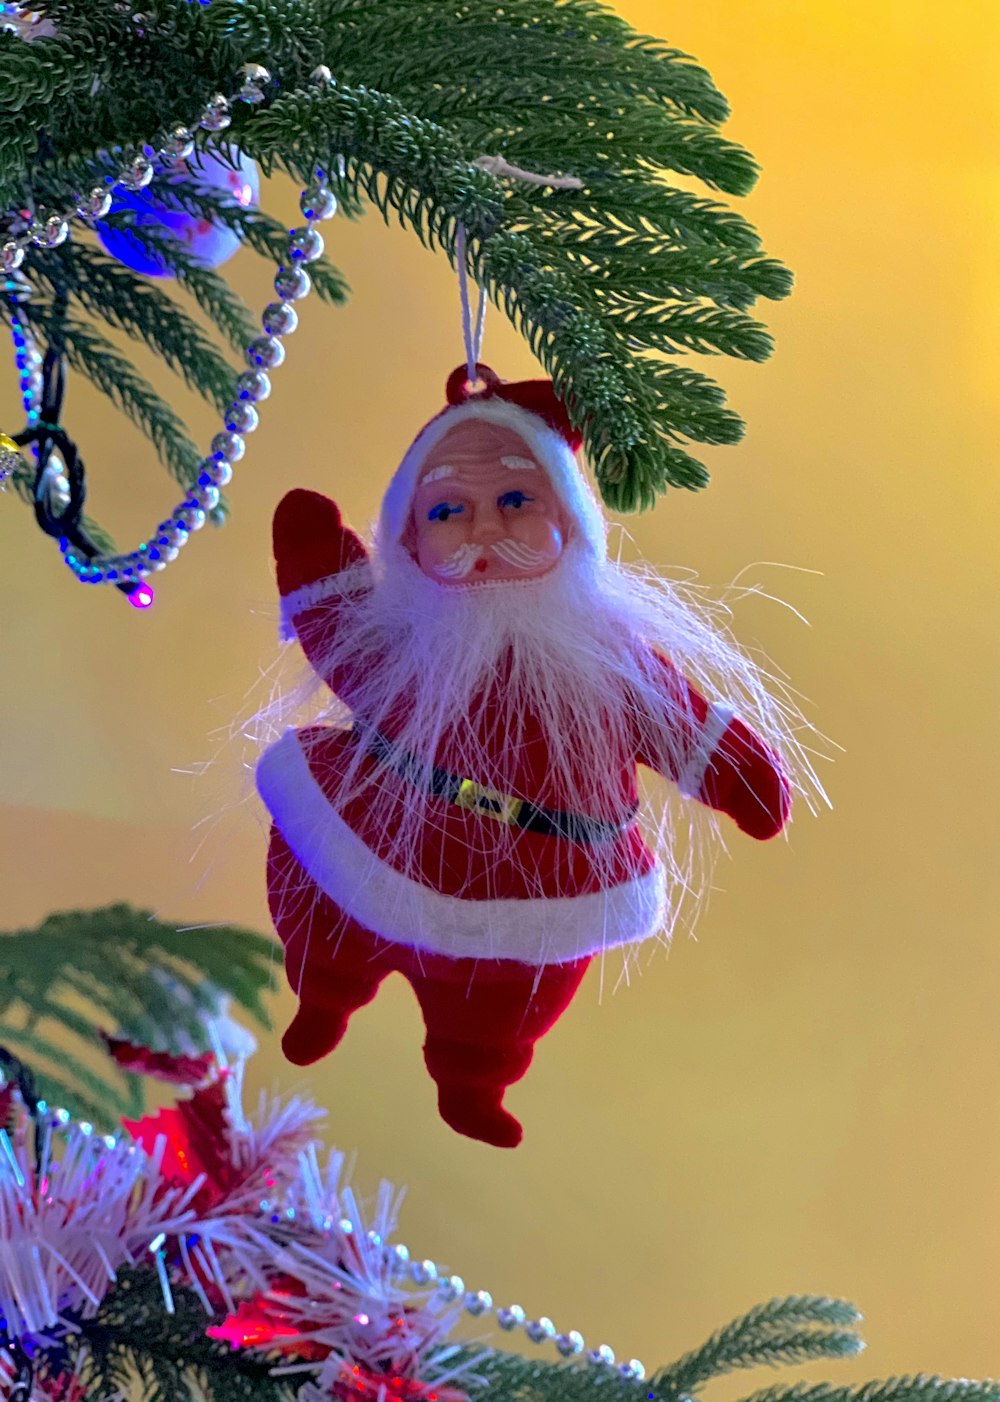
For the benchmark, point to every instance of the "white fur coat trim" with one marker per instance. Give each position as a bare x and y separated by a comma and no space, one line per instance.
717,722
355,579
389,903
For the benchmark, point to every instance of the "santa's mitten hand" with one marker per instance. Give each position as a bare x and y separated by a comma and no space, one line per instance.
745,780
311,542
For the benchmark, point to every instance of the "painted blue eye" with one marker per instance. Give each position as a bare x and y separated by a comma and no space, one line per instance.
514,499
443,510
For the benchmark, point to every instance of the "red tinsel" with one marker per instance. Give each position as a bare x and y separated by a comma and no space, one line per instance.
178,1070
197,1143
264,1323
355,1384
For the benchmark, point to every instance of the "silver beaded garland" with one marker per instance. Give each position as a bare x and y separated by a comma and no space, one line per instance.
216,116
396,1254
451,1288
571,1344
305,245
95,204
49,232
254,78
228,445
279,319
178,144
423,1272
266,351
171,533
205,496
318,203
11,256
242,417
253,386
138,173
292,284
215,472
190,516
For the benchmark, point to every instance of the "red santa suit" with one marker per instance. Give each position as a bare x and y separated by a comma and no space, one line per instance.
494,915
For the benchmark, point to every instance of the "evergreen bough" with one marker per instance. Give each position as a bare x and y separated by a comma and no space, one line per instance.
119,971
132,1338
609,283
79,970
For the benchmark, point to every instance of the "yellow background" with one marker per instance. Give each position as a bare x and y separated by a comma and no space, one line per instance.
806,1099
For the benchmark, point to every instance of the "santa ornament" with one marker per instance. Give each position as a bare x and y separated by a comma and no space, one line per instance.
466,811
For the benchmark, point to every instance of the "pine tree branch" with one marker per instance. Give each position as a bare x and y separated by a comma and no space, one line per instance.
70,1084
225,308
152,982
386,44
88,352
172,1351
602,276
787,1330
124,299
260,231
919,1388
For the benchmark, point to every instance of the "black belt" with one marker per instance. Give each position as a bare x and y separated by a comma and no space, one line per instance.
489,803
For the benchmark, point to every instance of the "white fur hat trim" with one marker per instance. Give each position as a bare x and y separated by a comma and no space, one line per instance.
547,445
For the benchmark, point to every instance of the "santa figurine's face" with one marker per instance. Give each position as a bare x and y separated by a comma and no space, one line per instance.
484,509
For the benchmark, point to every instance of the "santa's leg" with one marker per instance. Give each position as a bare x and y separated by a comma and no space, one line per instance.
333,964
483,1018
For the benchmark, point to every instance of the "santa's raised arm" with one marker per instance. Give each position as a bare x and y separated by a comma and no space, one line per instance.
468,811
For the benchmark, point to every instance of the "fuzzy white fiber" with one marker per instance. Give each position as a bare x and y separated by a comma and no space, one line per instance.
460,673
286,1233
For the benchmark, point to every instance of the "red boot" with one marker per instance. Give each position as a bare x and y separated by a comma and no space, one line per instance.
483,1018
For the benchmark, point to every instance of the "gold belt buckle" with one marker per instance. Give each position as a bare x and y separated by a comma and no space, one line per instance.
488,803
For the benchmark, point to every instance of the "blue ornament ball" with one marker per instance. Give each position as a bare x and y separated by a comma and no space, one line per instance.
230,174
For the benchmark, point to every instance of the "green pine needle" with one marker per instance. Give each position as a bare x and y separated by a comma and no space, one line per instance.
88,352
125,972
595,279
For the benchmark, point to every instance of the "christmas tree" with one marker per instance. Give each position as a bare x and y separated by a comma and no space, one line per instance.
201,1251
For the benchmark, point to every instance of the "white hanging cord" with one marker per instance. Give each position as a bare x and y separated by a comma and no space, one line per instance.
497,165
473,337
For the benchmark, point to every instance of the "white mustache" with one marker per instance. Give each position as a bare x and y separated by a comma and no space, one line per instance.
513,552
519,555
460,564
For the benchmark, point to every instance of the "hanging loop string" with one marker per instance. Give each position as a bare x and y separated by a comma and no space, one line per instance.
473,337
498,165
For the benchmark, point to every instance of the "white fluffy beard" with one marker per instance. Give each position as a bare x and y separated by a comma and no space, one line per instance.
570,650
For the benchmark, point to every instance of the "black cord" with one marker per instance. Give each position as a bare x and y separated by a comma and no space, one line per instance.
24,1379
46,437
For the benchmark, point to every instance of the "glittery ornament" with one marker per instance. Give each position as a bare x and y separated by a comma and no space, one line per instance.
212,244
10,458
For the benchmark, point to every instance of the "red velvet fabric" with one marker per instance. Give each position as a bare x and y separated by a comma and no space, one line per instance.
537,397
482,1016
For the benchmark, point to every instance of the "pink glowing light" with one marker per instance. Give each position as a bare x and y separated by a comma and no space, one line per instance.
142,596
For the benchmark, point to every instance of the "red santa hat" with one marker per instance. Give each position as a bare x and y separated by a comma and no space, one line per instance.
532,410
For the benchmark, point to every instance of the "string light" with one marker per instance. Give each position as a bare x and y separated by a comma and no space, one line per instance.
264,354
